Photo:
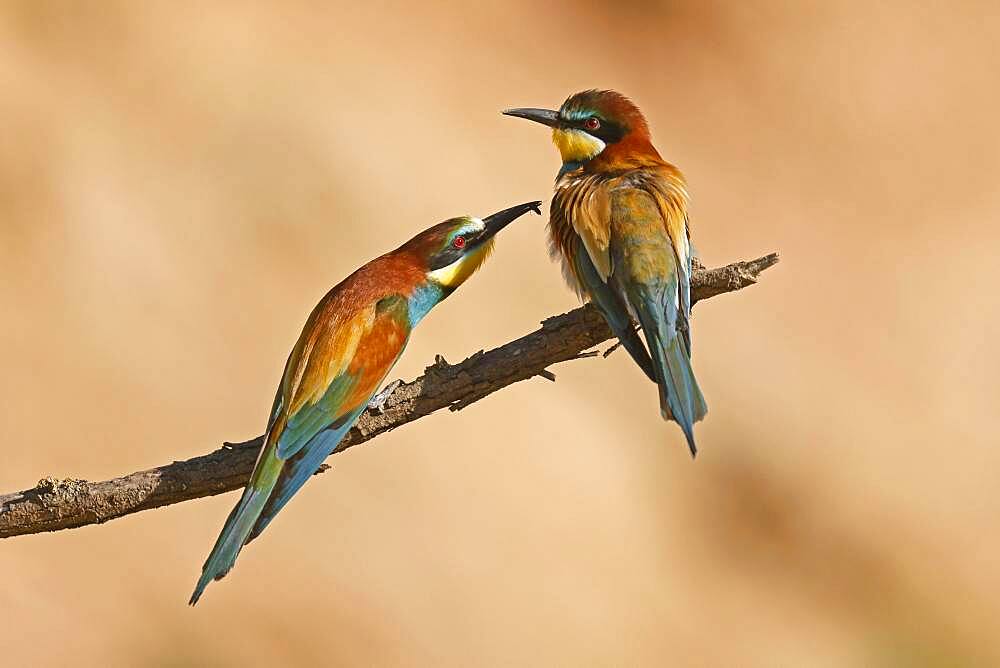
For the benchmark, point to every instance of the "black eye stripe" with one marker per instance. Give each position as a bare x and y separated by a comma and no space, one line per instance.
609,132
451,252
445,257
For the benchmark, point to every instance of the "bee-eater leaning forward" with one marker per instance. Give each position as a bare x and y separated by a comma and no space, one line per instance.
349,343
619,223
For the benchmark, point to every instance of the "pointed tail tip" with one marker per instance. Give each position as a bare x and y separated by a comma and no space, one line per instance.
687,429
196,595
199,588
689,434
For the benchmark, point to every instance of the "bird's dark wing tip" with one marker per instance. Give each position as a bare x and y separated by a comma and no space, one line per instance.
537,207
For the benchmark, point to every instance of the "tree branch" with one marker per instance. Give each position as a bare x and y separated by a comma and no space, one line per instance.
66,504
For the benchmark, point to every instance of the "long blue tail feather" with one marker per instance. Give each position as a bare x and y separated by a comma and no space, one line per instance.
299,468
238,526
681,399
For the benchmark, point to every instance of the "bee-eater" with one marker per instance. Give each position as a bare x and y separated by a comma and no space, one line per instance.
619,223
349,343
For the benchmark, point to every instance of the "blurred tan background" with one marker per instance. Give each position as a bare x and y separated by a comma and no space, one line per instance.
180,184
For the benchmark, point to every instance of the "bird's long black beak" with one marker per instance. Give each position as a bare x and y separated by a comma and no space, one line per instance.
502,219
543,116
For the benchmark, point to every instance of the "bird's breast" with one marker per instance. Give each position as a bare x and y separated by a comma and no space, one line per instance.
580,212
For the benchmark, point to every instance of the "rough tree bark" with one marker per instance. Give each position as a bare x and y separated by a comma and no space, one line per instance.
66,504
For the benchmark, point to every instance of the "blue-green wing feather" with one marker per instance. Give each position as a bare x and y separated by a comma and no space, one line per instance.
612,308
300,467
303,426
296,445
684,292
647,275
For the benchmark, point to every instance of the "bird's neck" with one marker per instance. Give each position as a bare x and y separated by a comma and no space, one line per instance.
635,151
425,296
438,284
571,166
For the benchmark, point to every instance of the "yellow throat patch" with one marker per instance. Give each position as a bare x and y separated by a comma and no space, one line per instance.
456,273
576,145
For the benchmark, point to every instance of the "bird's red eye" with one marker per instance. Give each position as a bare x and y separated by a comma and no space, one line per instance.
459,242
592,123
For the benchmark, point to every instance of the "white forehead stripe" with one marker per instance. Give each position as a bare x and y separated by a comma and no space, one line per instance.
475,225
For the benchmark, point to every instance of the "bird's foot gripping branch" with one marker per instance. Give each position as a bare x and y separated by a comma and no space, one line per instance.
65,504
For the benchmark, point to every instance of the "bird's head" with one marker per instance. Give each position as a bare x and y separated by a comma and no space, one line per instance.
450,252
593,122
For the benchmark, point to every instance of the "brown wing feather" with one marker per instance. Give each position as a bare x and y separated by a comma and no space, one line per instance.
331,336
581,208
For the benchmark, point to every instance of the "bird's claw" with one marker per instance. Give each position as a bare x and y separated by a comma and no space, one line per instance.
377,402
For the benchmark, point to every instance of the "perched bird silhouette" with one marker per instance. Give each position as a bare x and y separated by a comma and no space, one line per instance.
349,343
619,223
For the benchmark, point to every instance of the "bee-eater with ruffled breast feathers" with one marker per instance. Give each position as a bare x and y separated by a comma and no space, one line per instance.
619,223
349,343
